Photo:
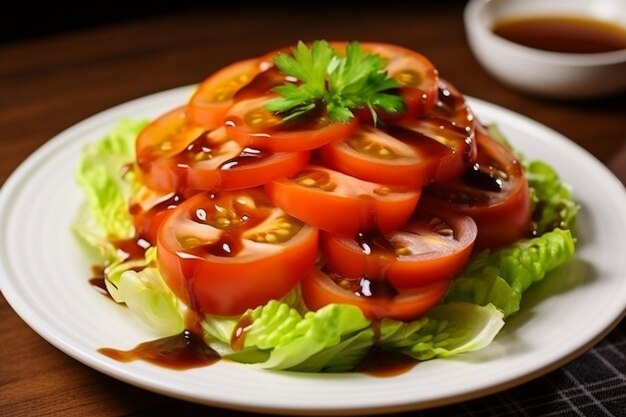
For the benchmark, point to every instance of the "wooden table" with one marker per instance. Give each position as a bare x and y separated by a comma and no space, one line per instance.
50,83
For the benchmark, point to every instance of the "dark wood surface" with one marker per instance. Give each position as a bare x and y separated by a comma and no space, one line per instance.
49,83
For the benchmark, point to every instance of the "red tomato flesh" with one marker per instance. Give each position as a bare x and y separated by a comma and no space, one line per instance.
376,299
173,155
250,124
342,204
431,247
493,191
225,252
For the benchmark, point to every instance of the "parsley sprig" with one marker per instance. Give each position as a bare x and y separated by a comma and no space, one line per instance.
340,83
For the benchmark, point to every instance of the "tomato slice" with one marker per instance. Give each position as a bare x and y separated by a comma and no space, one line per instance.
416,75
174,155
377,299
214,95
342,204
431,247
222,253
493,191
413,154
250,124
149,208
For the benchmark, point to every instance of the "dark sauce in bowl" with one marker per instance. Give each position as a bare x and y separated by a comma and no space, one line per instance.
567,34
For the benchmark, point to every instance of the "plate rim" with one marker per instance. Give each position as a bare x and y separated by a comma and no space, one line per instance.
29,315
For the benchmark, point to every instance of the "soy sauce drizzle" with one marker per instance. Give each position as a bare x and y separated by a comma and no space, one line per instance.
365,286
420,141
374,243
482,178
383,363
261,84
238,337
182,351
198,150
98,280
247,156
232,226
132,248
228,245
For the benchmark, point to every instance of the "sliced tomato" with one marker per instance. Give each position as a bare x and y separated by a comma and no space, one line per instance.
493,191
222,253
342,204
431,247
174,155
416,76
250,124
377,299
451,108
214,96
413,154
149,208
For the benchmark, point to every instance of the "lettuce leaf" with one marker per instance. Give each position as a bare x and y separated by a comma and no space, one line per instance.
283,334
106,190
500,277
552,202
337,337
139,284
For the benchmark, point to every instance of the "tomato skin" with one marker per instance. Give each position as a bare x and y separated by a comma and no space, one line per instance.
437,146
174,155
418,159
230,283
431,247
274,134
214,96
342,204
416,75
149,209
319,290
502,217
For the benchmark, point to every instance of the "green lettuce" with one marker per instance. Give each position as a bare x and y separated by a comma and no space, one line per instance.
139,284
283,334
552,203
107,191
337,337
500,277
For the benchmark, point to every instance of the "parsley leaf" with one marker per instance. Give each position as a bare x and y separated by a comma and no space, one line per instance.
340,83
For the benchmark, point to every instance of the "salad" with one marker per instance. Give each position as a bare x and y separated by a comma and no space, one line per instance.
326,207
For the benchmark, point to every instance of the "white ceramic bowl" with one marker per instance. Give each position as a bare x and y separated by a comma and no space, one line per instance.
550,74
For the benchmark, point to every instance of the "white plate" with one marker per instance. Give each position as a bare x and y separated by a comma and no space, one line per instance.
44,276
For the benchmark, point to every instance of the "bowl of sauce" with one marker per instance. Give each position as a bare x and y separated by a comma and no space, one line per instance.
554,48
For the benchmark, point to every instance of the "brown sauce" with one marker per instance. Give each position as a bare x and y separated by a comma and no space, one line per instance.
385,363
98,281
247,156
133,248
563,34
238,338
482,178
261,84
182,351
418,140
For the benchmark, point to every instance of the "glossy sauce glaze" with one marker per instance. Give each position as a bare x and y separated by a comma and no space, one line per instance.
383,363
567,34
182,351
